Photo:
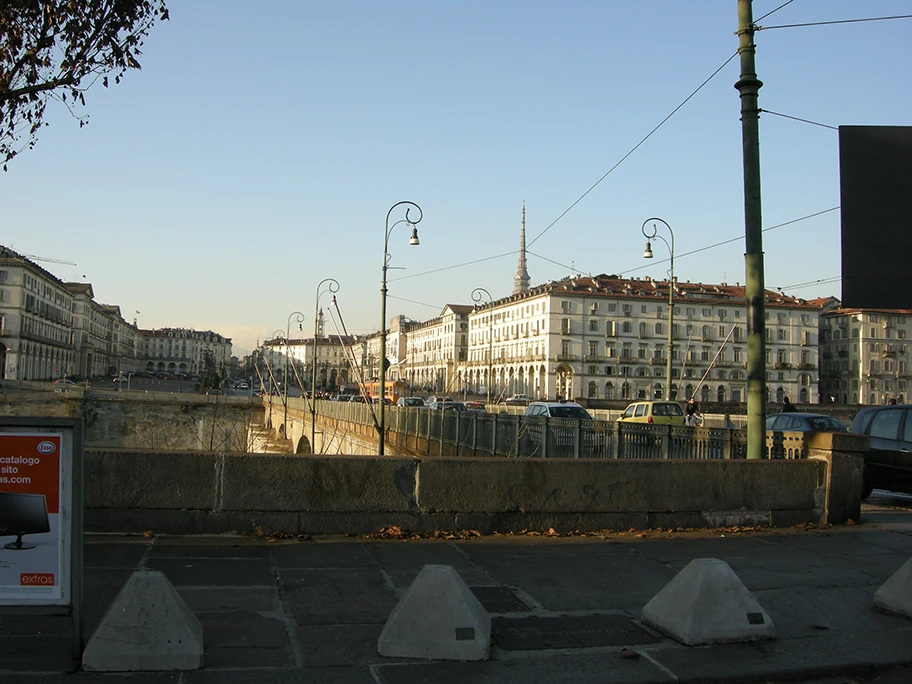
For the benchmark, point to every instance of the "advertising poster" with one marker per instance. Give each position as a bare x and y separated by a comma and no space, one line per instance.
31,543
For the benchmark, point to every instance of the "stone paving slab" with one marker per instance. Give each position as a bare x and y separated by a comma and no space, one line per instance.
786,658
210,572
402,561
333,596
558,668
312,611
238,639
321,555
575,577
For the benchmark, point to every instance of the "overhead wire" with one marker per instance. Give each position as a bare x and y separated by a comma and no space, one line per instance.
641,142
795,118
830,23
633,149
774,11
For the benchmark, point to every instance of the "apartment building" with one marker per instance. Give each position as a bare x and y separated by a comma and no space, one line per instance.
605,337
36,321
863,355
333,366
183,350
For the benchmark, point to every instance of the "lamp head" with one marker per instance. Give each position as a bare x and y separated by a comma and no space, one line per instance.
648,253
414,239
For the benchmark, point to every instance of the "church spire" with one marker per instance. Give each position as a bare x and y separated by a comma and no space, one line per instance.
521,279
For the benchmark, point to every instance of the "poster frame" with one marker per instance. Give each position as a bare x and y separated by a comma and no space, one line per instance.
72,431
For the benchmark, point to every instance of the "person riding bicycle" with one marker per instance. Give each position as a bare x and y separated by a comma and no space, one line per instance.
692,413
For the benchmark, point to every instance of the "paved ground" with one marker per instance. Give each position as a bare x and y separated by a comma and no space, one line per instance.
564,609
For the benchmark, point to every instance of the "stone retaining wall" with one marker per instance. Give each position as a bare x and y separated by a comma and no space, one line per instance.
207,493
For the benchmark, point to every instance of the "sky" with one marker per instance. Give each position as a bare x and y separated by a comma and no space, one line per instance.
261,147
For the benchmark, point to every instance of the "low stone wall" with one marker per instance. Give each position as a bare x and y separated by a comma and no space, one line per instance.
206,493
144,420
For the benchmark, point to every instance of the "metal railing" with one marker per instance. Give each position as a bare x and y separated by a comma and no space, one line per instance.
469,433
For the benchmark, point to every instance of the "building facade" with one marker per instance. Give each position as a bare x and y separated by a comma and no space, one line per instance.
864,355
36,321
184,350
605,337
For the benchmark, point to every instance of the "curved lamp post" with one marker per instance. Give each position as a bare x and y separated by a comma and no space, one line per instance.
413,240
332,286
276,335
299,319
479,299
652,235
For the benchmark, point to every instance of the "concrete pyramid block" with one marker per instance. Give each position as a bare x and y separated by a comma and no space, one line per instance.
438,618
895,595
149,627
706,603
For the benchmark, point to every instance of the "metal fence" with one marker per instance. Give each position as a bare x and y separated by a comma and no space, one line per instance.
470,433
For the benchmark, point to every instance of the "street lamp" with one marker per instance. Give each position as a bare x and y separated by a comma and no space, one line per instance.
299,319
478,299
413,240
332,286
671,276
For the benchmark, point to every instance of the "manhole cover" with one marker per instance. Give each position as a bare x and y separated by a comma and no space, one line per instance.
568,631
499,600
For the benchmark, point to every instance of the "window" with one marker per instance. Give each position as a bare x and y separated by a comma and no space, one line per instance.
594,324
782,334
565,347
565,326
782,317
565,307
642,308
627,309
593,348
707,312
723,314
626,327
658,328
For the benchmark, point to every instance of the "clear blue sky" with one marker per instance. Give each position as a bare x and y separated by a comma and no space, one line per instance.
261,146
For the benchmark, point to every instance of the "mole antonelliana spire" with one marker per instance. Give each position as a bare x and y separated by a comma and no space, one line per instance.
521,279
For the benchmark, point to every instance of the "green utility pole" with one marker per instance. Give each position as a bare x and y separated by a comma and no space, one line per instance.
749,86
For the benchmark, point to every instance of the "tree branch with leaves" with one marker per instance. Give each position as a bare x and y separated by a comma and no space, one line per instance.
59,49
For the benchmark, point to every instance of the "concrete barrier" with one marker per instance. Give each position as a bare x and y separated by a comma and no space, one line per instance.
895,595
438,618
149,627
706,603
206,493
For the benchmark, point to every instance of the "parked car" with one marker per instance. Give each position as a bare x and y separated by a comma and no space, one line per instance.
518,400
803,422
654,412
410,401
560,421
477,406
888,464
446,405
357,399
64,381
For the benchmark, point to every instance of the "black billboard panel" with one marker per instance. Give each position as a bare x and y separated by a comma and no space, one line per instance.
875,171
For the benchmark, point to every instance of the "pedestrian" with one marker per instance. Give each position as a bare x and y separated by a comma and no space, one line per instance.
892,402
691,411
787,406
